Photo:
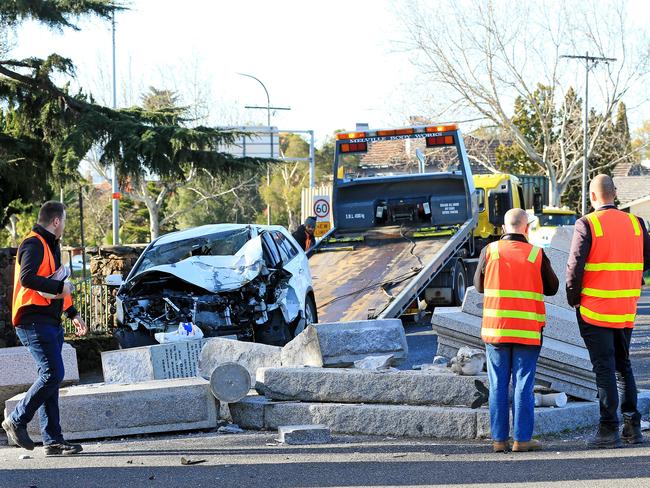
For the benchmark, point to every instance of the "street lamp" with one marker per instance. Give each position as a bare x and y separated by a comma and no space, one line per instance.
590,62
268,123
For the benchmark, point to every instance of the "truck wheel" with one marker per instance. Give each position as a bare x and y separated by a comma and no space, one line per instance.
460,282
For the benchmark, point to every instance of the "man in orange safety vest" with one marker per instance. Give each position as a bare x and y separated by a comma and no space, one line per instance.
514,276
41,295
609,252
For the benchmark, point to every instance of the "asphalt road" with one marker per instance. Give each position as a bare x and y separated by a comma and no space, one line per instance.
255,460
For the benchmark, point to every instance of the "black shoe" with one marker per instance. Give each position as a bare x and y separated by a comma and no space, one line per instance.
18,435
62,449
632,429
607,437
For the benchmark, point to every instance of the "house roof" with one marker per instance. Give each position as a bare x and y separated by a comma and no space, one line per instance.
477,149
632,189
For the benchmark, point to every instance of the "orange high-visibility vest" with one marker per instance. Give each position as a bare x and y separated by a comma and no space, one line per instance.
307,241
26,296
513,303
611,285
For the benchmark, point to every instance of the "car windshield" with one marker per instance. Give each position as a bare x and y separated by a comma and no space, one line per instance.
225,243
397,156
557,219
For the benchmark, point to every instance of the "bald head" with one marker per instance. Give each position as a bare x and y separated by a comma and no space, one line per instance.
602,191
515,221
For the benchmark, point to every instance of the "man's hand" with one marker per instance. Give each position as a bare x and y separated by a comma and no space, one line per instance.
68,289
81,329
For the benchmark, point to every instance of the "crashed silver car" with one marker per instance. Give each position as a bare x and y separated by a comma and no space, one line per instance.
252,281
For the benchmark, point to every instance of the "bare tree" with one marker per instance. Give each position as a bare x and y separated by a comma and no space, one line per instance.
484,54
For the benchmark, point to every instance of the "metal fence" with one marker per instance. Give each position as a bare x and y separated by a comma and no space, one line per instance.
95,303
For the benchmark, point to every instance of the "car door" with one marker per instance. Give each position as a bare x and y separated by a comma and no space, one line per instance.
295,261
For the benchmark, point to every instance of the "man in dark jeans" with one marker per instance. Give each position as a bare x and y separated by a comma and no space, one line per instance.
609,251
39,299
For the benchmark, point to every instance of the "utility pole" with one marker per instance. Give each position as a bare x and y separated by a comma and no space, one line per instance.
114,188
590,62
268,109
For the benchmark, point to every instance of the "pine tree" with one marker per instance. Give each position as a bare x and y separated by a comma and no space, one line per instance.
46,130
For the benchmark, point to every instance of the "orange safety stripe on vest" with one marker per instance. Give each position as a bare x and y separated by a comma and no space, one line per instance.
26,296
611,284
513,303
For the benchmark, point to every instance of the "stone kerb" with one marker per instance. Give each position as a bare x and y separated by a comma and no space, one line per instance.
250,355
157,362
103,410
339,344
19,370
364,386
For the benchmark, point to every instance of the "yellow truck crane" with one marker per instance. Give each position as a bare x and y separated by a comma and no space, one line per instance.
408,222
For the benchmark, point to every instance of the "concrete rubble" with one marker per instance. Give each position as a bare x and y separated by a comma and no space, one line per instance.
340,344
103,410
158,362
22,373
251,355
361,386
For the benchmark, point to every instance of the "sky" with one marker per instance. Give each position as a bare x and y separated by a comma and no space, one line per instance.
334,63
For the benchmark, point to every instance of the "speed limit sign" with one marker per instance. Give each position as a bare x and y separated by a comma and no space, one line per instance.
322,212
321,208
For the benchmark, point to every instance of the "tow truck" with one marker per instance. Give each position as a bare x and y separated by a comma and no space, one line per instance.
406,222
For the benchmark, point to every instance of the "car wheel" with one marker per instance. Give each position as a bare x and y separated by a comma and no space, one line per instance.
311,315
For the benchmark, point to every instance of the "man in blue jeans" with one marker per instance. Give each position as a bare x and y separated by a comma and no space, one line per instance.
514,276
40,296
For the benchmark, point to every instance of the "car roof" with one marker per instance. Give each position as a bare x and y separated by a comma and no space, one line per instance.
210,229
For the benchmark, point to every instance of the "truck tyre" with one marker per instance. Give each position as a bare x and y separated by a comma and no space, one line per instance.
460,282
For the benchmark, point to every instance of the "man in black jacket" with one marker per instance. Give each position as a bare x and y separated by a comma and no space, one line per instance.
39,300
304,235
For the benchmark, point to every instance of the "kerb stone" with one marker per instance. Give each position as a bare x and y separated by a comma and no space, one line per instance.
114,410
250,355
550,420
390,420
19,370
304,434
339,344
361,386
159,362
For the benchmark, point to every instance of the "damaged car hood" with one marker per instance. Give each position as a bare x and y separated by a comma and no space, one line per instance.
215,273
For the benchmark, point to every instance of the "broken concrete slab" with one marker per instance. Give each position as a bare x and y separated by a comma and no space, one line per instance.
549,420
359,386
404,420
158,362
304,434
115,410
547,374
391,420
470,325
249,412
561,240
23,371
340,344
250,355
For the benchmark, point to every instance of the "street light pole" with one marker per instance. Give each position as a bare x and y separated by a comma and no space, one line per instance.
114,188
268,123
590,62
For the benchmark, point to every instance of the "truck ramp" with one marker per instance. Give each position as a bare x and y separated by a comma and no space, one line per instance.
357,277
